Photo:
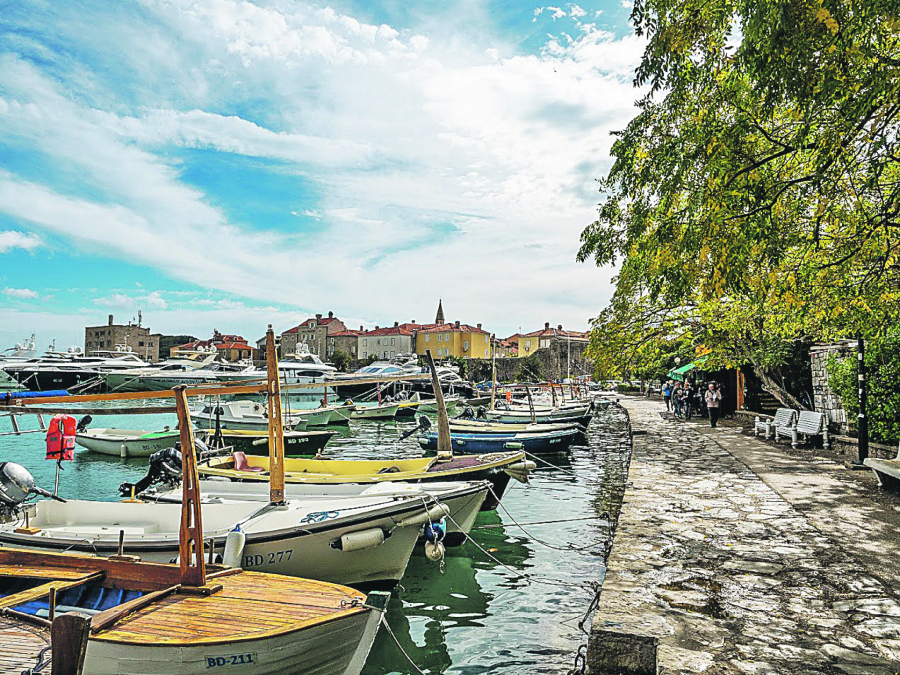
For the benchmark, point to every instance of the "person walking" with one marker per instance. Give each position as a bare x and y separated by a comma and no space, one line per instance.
667,395
677,393
688,400
712,404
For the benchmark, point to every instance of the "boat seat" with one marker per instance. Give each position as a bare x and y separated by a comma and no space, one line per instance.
241,463
101,528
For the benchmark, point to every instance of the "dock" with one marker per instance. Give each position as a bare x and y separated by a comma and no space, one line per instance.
735,556
22,647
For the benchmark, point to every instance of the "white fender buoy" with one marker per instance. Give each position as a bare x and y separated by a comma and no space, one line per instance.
354,541
434,551
123,450
436,512
234,547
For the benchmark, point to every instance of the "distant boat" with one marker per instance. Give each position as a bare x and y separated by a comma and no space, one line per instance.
126,442
245,415
374,411
533,443
298,444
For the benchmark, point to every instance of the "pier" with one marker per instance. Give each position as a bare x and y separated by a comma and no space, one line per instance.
733,555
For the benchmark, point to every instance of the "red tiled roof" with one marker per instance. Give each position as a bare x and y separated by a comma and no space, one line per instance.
233,345
555,332
322,322
388,330
450,328
345,333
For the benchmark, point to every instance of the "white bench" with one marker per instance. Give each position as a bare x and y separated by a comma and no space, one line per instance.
809,423
784,417
887,471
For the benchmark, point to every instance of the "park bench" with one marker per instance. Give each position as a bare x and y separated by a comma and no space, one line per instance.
784,418
809,423
887,471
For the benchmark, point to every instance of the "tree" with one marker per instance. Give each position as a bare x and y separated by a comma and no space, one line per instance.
341,360
755,197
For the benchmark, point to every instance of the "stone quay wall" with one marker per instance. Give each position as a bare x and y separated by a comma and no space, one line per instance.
825,400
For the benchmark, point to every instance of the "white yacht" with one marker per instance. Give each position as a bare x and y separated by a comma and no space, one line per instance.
65,370
14,355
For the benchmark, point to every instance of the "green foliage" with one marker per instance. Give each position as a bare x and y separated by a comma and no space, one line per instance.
754,202
626,388
883,403
341,360
166,342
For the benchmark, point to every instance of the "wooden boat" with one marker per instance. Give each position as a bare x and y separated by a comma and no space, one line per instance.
524,417
142,619
462,498
533,443
408,408
246,415
125,442
361,540
497,468
323,415
376,411
475,426
297,444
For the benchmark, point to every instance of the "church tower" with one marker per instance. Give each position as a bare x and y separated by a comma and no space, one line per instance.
440,313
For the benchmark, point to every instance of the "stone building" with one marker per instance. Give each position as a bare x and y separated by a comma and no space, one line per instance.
386,343
825,400
130,336
346,341
229,347
313,333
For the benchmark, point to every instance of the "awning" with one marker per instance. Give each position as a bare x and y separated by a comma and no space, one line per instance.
679,373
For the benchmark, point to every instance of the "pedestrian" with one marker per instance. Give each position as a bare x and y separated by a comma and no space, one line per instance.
712,404
667,395
677,393
688,400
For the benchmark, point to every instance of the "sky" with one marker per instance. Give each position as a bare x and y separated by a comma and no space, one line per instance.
224,164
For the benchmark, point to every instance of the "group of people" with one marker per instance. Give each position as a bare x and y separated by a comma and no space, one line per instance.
686,400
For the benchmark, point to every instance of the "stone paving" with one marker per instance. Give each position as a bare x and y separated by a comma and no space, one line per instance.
728,575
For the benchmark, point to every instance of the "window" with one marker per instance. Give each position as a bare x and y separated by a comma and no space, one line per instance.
392,344
427,338
439,337
384,355
466,346
365,342
446,352
392,354
485,353
378,342
446,337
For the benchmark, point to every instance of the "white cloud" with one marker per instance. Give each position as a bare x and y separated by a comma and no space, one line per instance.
155,300
11,239
116,300
426,153
21,293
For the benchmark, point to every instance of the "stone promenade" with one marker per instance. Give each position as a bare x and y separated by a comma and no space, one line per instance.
734,556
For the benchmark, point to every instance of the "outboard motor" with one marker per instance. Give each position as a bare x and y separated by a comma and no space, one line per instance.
165,467
481,413
423,427
17,485
83,423
468,413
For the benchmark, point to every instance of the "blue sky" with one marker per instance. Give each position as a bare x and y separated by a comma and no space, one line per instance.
227,164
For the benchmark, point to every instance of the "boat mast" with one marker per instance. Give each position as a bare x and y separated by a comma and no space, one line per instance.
190,534
443,440
276,426
493,368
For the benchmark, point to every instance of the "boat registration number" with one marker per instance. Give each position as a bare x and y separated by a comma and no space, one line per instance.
231,660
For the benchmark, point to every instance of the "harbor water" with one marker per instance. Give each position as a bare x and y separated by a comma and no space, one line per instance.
511,606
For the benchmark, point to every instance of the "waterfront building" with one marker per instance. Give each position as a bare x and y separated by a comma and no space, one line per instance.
386,343
455,339
230,348
131,335
529,343
346,341
313,333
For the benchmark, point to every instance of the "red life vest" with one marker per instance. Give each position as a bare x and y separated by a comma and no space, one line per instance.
61,438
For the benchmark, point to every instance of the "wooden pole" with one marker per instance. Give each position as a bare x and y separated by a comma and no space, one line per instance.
553,393
444,445
493,370
530,405
190,535
69,635
276,425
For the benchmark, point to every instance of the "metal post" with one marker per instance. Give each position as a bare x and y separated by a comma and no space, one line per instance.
862,422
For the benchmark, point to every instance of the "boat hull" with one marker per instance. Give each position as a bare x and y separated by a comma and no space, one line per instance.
127,446
381,412
300,444
332,648
534,444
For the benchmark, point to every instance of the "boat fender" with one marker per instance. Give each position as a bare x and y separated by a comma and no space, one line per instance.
436,512
434,551
355,541
435,532
513,445
234,547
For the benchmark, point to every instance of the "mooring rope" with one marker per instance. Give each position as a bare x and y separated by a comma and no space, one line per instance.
552,466
399,646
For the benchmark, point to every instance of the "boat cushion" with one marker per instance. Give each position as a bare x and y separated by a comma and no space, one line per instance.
241,464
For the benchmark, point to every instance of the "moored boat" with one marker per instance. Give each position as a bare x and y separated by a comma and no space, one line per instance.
298,444
532,443
496,467
247,415
375,411
126,442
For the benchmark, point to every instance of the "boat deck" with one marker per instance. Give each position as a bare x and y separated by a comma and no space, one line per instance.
250,606
21,647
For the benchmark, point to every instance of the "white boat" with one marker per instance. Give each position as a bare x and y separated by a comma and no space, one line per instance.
132,379
126,442
374,411
451,401
463,498
476,426
66,370
246,415
13,356
354,540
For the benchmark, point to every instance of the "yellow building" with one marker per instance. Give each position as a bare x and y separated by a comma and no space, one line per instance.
451,339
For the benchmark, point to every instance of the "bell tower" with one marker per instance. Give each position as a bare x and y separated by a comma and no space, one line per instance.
440,313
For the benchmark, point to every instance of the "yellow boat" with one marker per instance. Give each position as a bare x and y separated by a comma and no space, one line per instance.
496,467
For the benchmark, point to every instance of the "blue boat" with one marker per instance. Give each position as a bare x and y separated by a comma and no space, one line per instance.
535,443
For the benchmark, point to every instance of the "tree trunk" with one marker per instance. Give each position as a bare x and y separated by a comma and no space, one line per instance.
771,386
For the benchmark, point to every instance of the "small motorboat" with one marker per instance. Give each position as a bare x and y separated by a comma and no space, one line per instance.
476,426
298,444
496,467
533,443
246,415
374,411
126,442
463,498
360,540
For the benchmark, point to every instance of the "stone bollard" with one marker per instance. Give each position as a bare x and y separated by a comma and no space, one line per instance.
615,653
